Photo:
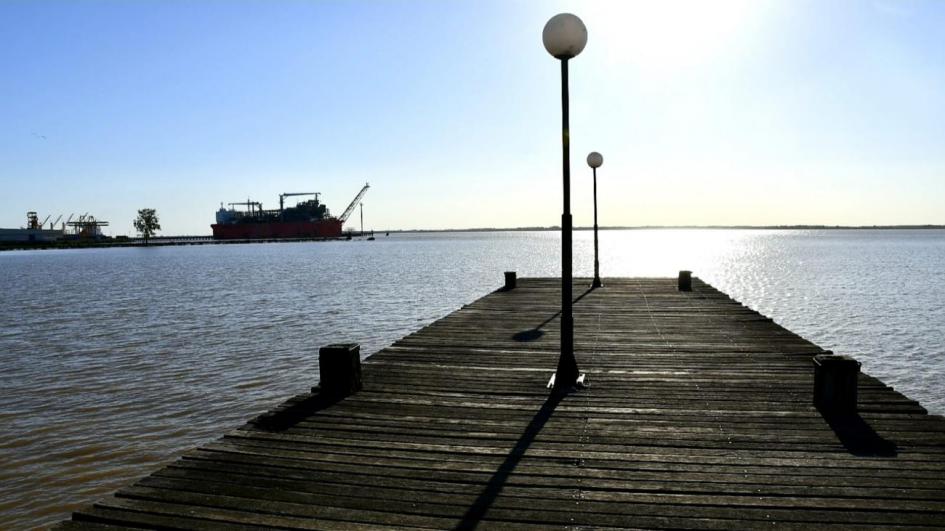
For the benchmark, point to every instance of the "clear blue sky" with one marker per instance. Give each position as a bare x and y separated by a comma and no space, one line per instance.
742,112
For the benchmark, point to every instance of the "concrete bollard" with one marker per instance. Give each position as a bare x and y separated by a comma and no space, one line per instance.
510,280
340,368
685,281
835,384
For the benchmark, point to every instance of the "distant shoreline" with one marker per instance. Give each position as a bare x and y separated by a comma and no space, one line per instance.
161,241
685,227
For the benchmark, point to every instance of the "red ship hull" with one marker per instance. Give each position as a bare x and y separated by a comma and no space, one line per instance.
326,228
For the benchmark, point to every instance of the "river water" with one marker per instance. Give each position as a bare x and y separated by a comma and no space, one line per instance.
116,360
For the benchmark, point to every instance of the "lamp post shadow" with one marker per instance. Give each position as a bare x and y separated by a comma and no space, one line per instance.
536,333
493,488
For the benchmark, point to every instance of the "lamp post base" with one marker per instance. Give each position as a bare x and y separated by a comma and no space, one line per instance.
596,283
580,383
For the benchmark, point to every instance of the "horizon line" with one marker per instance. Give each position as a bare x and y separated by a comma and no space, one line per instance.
926,226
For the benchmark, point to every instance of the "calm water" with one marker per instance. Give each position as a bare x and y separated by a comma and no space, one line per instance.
116,360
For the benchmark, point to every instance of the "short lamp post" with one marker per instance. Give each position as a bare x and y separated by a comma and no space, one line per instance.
564,37
594,160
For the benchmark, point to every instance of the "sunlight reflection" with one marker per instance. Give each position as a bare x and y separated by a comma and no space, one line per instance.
664,252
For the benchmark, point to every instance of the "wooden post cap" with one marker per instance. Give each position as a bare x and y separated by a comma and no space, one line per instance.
510,280
685,281
835,384
339,367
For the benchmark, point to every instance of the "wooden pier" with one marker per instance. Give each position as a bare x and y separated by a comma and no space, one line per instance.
699,415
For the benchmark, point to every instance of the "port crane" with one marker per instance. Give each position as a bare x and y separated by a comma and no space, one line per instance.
87,226
290,194
354,203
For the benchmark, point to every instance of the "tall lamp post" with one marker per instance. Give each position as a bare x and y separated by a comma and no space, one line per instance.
564,37
594,160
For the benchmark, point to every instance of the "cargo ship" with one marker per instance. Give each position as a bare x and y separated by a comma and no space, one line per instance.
307,219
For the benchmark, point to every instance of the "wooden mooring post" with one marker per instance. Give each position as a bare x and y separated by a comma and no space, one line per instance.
835,384
510,280
339,368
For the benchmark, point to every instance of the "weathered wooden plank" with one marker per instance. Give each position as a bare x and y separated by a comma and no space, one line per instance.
262,465
452,504
294,458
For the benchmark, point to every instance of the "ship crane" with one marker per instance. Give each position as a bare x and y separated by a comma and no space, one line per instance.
44,221
53,224
290,194
354,203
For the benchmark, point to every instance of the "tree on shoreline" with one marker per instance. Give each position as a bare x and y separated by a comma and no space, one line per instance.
147,223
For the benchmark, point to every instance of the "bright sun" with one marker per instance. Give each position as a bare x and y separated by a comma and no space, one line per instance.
666,35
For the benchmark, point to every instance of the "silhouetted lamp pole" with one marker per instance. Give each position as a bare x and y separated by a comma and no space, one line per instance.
594,160
564,37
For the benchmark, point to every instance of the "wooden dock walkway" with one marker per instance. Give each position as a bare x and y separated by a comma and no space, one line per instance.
698,416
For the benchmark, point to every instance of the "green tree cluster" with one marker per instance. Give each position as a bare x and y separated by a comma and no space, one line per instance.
147,223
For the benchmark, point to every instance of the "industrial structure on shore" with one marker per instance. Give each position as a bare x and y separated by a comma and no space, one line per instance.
307,219
86,227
